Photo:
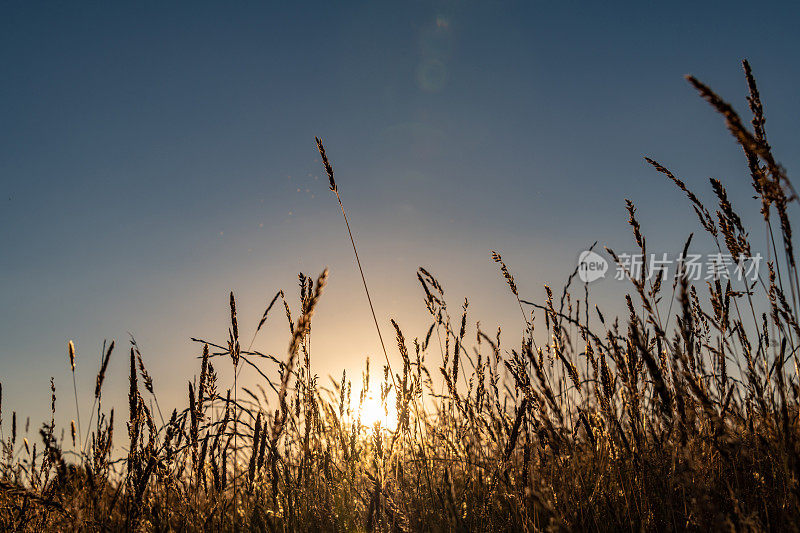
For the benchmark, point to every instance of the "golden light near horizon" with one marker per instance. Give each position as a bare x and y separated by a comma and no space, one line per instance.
426,339
374,411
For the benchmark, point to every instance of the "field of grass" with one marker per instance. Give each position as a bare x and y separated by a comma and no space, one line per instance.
681,415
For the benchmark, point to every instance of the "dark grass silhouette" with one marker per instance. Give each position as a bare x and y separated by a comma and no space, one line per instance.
683,414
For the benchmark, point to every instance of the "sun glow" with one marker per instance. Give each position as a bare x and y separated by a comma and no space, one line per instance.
373,411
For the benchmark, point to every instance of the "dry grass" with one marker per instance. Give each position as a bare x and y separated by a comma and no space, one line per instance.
673,417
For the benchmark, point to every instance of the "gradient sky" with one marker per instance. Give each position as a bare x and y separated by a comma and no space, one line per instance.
154,158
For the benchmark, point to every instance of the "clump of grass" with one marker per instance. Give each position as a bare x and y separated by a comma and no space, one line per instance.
680,415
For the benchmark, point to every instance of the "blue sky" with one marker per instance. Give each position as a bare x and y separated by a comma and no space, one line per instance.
153,158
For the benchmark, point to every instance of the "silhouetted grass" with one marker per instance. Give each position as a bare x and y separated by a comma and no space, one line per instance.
681,415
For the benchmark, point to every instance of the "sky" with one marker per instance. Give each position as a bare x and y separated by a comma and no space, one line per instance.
154,157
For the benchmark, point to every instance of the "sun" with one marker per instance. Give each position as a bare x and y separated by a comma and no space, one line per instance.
374,412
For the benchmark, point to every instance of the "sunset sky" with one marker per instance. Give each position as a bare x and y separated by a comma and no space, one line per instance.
154,158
